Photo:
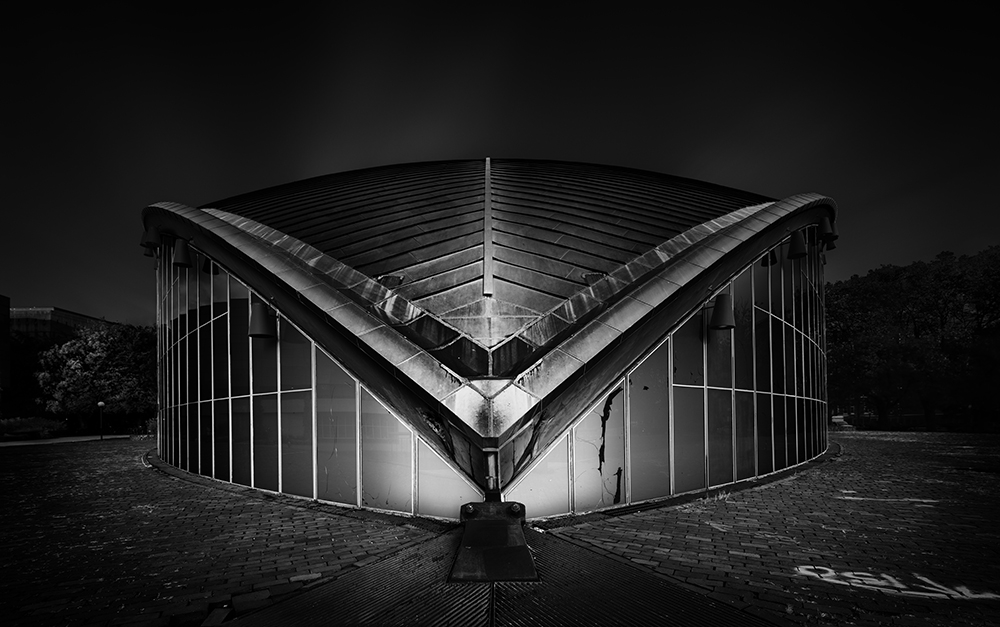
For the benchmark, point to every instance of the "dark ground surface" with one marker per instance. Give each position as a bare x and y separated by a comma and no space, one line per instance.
899,529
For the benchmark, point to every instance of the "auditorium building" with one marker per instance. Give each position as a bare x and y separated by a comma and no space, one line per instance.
414,337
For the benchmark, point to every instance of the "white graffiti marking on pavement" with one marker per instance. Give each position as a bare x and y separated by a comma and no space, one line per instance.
892,585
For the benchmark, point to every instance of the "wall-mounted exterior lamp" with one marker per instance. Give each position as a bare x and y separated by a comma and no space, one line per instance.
722,314
797,246
182,254
150,239
263,324
827,232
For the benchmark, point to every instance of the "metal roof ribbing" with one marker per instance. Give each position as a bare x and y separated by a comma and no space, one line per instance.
554,224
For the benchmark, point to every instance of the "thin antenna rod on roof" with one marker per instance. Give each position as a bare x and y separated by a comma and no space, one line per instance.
488,236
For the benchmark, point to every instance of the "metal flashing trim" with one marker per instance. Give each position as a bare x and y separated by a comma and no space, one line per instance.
487,235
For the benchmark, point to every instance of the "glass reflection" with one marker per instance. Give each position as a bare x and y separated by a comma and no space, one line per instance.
296,357
265,442
239,343
264,361
720,437
241,440
336,433
743,333
689,367
441,490
689,439
221,425
765,452
649,405
296,443
544,491
205,437
745,459
780,437
386,455
719,354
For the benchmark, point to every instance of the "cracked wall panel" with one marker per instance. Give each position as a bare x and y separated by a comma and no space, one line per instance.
386,452
441,491
544,491
599,455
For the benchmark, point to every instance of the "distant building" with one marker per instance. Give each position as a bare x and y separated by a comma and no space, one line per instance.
49,324
571,336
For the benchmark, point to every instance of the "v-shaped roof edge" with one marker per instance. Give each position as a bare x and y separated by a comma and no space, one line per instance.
489,407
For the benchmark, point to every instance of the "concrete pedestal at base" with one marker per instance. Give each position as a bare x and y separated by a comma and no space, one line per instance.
493,546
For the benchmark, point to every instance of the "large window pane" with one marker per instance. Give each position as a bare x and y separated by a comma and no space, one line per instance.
689,439
762,349
239,343
761,292
221,420
220,356
775,281
296,357
545,489
192,305
386,479
184,444
744,436
441,489
204,290
649,413
241,440
205,363
777,355
786,288
789,359
743,333
720,437
192,348
780,435
265,442
765,462
336,433
689,358
803,432
220,291
205,422
264,355
182,370
599,452
180,302
296,443
792,428
720,356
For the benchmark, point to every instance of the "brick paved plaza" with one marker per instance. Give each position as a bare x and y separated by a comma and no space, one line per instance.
898,529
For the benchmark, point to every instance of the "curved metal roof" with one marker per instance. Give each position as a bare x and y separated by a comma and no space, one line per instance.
488,287
555,229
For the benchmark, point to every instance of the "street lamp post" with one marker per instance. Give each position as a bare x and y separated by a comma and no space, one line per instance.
100,407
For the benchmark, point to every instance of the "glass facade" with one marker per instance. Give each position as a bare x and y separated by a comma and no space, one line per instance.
281,414
705,407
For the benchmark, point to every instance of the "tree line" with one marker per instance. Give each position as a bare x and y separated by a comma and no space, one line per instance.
110,363
918,344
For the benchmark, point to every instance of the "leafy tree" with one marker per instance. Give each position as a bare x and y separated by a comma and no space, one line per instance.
923,338
113,363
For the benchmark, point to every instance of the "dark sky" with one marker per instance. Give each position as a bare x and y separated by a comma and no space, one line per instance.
895,117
